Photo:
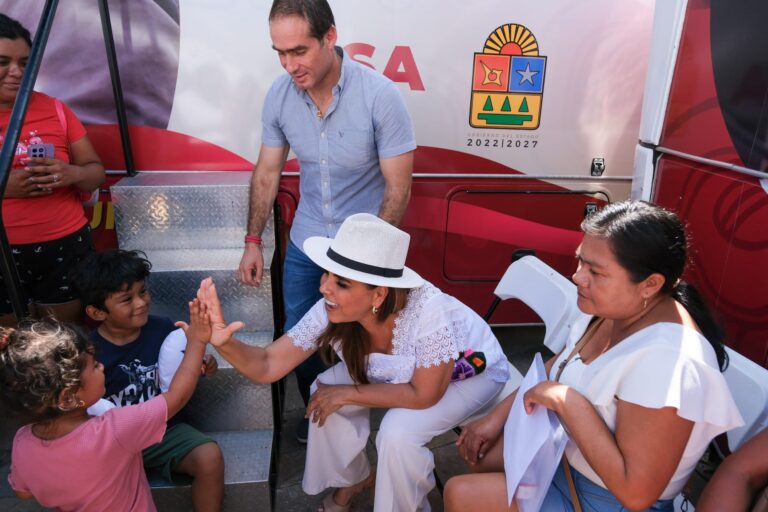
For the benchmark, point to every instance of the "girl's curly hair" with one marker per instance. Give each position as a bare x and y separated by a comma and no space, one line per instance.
38,361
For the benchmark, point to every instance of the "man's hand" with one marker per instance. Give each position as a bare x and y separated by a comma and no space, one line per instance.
252,265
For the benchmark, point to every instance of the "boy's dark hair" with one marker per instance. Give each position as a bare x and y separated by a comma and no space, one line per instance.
101,274
38,361
317,13
12,29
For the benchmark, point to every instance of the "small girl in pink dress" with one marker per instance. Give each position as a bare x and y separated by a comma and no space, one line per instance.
66,459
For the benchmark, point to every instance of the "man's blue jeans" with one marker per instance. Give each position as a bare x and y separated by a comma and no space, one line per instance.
301,290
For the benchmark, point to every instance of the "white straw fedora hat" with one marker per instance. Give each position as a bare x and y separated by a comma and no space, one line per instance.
366,249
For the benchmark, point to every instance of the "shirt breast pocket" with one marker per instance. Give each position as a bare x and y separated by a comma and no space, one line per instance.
352,149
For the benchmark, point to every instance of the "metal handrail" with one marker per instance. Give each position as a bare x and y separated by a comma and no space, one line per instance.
8,150
117,88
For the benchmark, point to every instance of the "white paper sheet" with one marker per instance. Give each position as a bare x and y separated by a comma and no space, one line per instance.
533,446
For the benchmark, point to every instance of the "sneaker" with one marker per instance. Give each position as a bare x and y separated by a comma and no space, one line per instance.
302,431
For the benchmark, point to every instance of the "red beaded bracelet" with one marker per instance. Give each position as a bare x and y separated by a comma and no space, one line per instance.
253,239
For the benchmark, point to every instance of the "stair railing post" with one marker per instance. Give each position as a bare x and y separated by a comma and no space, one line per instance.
117,87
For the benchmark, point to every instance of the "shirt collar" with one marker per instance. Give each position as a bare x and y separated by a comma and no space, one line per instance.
346,63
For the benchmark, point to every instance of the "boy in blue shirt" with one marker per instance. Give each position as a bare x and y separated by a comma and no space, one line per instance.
112,288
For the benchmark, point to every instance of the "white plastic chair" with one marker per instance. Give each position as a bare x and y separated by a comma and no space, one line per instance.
748,383
749,386
550,295
547,292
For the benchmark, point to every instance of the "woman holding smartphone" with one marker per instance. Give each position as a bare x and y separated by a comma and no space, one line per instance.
42,211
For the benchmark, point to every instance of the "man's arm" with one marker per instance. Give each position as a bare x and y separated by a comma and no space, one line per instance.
397,171
264,182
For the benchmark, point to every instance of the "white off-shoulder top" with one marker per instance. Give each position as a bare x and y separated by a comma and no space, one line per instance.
662,365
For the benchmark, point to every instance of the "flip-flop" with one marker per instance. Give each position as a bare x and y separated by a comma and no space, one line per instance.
330,505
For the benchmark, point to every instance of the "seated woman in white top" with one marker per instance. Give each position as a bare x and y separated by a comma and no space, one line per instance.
401,344
639,390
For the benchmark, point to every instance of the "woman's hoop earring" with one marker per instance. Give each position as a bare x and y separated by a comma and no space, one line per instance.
645,303
374,310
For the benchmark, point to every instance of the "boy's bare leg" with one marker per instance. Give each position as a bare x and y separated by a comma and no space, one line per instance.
205,464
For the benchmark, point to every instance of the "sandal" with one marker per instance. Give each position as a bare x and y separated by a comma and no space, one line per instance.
329,504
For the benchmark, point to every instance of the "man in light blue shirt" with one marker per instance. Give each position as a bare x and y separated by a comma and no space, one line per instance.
353,137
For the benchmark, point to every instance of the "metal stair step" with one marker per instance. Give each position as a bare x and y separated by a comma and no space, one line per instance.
178,260
247,459
172,290
228,401
183,210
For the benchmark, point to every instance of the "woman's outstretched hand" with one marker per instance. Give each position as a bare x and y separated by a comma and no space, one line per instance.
325,401
478,437
221,333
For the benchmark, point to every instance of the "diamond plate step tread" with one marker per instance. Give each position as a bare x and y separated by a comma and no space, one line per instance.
172,210
228,401
247,458
168,260
172,290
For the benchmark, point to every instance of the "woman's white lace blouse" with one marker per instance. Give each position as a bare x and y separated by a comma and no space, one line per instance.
432,329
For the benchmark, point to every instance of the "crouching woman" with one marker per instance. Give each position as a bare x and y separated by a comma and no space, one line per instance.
401,344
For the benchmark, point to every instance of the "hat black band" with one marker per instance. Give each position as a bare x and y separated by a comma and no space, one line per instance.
364,267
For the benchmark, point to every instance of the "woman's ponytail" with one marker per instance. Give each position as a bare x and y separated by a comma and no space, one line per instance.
687,295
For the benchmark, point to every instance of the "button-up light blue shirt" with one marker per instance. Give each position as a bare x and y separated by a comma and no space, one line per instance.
339,153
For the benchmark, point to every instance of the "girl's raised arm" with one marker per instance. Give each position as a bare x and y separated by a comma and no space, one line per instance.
183,384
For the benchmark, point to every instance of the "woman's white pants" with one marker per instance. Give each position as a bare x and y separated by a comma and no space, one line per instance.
336,451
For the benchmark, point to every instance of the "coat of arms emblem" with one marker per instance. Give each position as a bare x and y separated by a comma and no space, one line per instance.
508,81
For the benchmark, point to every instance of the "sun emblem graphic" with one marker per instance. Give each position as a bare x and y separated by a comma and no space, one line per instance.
511,39
508,80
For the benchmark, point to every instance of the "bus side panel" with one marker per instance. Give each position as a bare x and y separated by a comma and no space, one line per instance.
464,232
726,214
717,99
716,111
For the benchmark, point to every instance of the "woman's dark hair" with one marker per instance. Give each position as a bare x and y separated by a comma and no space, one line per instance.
100,275
38,361
354,341
12,29
317,13
647,239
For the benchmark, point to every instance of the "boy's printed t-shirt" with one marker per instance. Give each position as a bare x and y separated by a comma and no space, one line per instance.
130,371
